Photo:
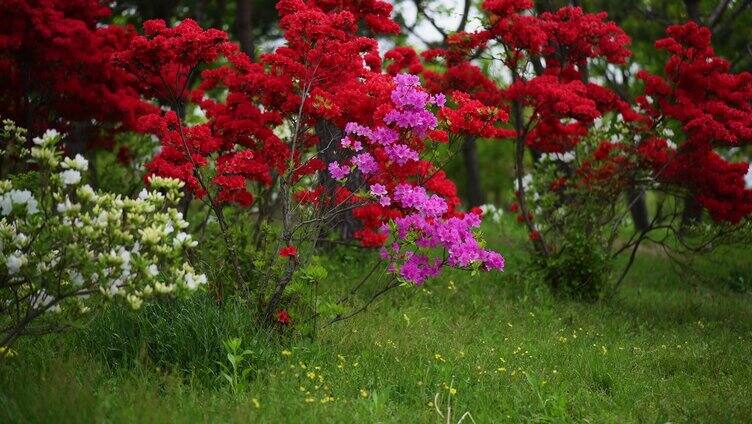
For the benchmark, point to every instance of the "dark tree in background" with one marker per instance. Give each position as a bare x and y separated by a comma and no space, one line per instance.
249,22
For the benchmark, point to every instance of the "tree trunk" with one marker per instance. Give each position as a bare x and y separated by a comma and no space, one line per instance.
244,27
638,208
329,151
475,194
693,10
691,214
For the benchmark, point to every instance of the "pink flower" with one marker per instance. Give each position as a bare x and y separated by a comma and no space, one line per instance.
365,163
337,171
401,154
378,190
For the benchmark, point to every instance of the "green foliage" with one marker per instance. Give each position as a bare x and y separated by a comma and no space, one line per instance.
183,335
579,222
239,370
580,269
740,280
121,170
657,353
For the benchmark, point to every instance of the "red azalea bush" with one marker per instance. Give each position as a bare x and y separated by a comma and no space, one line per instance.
315,141
275,129
712,108
591,145
55,69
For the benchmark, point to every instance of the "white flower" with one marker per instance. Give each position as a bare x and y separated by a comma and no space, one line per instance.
85,192
102,219
143,194
66,206
562,157
15,261
76,278
566,157
70,177
183,239
152,270
6,204
31,206
21,239
192,281
748,178
50,134
43,300
48,138
164,288
134,301
492,212
18,197
124,255
78,163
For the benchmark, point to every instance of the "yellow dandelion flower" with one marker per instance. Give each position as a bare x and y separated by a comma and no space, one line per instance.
363,393
286,353
327,399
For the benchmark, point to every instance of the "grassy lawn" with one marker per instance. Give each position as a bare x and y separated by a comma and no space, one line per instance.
670,347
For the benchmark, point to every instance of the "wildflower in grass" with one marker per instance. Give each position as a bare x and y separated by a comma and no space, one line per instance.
283,317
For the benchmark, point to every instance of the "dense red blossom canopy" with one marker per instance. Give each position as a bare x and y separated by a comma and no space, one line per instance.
714,108
55,66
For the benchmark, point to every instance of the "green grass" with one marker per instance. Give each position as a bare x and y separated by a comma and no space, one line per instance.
670,347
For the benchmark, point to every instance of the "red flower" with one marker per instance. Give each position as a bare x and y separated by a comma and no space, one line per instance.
283,317
288,251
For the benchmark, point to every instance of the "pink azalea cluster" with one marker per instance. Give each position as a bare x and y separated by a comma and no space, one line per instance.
427,235
425,230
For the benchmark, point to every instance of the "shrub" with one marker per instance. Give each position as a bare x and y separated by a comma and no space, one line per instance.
67,248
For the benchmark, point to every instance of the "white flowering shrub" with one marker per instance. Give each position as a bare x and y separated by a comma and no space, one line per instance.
66,248
491,212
